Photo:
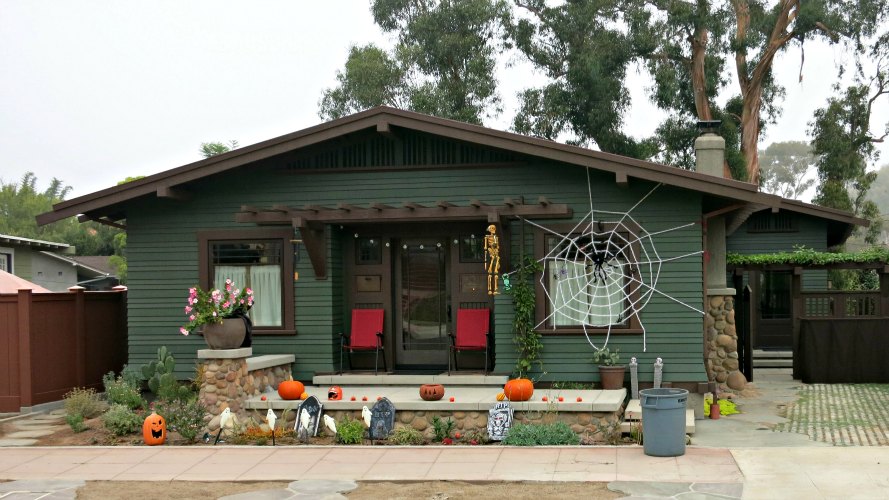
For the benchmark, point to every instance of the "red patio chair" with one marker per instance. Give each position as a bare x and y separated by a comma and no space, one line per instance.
472,334
366,335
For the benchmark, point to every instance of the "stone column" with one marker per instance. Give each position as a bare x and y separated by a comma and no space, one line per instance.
723,365
221,384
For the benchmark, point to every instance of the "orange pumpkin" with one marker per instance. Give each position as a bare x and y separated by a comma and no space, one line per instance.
501,396
335,393
519,389
154,430
291,389
304,396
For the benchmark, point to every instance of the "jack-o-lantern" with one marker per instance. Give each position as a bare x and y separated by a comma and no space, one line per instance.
335,393
154,430
291,389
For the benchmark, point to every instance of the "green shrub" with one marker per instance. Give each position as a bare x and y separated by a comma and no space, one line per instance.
120,390
349,431
121,420
555,434
186,418
407,436
83,402
161,378
75,422
442,428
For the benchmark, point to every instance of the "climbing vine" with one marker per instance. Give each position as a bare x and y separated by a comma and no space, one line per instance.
527,340
807,256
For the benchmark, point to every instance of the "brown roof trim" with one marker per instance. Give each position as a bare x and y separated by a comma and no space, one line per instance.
385,117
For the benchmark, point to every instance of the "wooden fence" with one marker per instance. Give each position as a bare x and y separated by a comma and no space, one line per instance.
53,342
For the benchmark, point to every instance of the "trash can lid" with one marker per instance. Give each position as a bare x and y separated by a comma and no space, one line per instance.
663,392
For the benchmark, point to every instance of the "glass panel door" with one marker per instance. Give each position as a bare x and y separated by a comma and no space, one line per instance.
423,339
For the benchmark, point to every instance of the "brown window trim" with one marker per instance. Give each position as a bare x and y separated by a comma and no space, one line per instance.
633,327
285,235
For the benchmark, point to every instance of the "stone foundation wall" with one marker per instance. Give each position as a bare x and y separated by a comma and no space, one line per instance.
226,382
594,427
722,344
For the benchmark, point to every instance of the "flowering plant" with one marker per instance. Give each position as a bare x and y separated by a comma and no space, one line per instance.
215,305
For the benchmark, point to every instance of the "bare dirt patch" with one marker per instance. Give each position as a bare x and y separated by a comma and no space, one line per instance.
438,490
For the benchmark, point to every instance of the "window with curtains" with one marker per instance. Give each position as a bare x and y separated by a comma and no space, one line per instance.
260,260
587,283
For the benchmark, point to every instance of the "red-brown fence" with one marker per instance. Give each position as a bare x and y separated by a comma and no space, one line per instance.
53,342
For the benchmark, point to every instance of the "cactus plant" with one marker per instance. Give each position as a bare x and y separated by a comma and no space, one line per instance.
161,379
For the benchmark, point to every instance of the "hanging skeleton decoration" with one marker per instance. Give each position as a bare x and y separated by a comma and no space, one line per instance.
492,260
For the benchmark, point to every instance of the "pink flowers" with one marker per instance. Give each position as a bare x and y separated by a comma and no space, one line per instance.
215,305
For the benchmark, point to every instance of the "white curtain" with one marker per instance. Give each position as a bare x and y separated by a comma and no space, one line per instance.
266,284
238,274
578,297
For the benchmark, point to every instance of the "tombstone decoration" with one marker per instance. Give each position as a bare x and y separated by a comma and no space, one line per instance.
382,420
313,408
499,421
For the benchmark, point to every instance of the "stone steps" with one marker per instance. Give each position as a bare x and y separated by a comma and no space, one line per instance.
388,379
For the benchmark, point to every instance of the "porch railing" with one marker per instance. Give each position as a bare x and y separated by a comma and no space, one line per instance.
841,304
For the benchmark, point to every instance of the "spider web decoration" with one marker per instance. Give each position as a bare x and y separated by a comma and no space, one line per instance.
604,271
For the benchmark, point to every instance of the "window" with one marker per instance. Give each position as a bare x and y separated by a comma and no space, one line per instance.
6,260
589,281
472,248
261,260
767,222
369,251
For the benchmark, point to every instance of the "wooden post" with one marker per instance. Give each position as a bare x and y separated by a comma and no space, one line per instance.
79,334
24,332
798,311
884,291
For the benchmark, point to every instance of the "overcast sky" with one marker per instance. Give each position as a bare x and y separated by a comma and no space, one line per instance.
93,92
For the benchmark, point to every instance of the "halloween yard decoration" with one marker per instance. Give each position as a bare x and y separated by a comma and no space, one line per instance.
154,430
224,419
382,420
330,423
492,260
499,421
291,389
308,418
270,419
335,393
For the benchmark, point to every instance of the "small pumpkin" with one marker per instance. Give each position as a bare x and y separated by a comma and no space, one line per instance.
501,396
291,389
304,396
431,392
519,389
335,393
154,430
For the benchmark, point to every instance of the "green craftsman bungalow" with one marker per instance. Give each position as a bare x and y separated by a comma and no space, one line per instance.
388,209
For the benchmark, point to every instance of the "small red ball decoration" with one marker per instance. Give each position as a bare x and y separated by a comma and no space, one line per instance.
263,398
452,399
561,399
544,398
364,398
352,398
579,399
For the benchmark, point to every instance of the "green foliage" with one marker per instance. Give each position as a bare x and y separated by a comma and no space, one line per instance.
122,390
606,357
442,428
555,434
807,256
349,431
407,436
161,379
75,421
184,417
120,420
83,402
212,306
527,340
209,149
442,64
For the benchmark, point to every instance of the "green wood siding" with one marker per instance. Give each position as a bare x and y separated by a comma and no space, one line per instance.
163,259
811,233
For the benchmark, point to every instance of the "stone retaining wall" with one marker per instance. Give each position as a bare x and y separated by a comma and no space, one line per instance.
226,382
594,427
722,344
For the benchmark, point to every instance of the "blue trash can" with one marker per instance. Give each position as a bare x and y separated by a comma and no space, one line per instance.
663,421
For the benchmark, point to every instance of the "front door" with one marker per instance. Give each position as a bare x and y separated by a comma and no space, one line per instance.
422,325
774,310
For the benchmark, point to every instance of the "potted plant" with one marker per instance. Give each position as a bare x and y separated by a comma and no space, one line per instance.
221,315
611,374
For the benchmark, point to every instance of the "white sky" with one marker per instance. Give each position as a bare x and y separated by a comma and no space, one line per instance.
92,92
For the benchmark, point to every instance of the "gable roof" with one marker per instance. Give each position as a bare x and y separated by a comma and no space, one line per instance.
28,242
81,262
719,190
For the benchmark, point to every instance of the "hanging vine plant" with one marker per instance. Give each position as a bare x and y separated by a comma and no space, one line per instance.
526,339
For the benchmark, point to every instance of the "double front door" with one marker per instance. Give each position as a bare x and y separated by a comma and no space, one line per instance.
419,276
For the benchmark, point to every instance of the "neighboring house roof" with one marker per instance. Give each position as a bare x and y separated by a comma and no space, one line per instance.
75,261
718,192
10,283
28,242
98,263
